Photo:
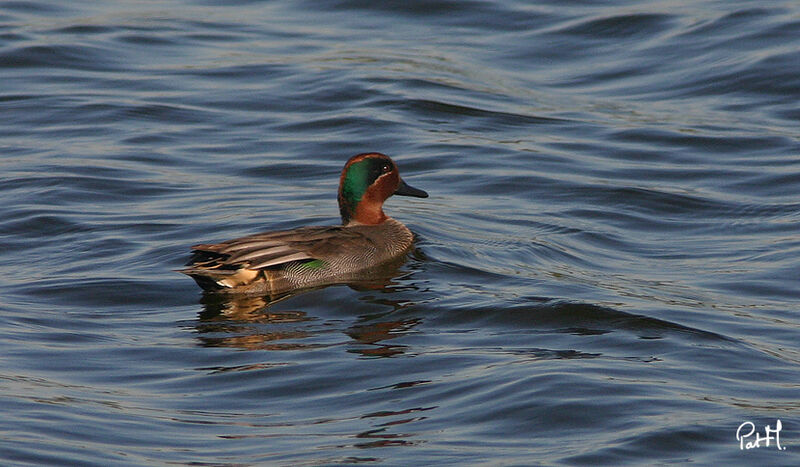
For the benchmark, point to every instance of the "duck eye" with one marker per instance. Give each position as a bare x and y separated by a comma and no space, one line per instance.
386,168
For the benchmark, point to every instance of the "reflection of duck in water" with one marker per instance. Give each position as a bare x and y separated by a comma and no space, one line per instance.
249,322
278,262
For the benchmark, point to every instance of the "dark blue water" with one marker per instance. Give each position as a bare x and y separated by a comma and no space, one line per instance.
606,271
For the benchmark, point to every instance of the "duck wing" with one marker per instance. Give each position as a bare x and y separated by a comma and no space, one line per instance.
270,249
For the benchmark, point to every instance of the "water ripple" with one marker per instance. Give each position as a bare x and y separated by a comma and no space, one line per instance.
604,273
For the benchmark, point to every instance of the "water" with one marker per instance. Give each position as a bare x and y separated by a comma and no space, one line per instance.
606,270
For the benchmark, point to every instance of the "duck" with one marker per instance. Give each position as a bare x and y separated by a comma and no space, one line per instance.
284,261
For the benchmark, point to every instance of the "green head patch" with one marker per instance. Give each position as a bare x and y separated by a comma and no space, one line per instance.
356,181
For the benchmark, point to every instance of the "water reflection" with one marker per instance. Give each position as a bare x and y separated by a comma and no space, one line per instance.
373,334
254,323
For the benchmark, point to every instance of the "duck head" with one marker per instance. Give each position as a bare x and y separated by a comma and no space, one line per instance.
367,181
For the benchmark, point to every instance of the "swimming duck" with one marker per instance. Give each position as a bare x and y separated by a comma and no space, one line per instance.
287,260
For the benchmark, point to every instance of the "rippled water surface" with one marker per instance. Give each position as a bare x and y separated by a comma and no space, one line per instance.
606,271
